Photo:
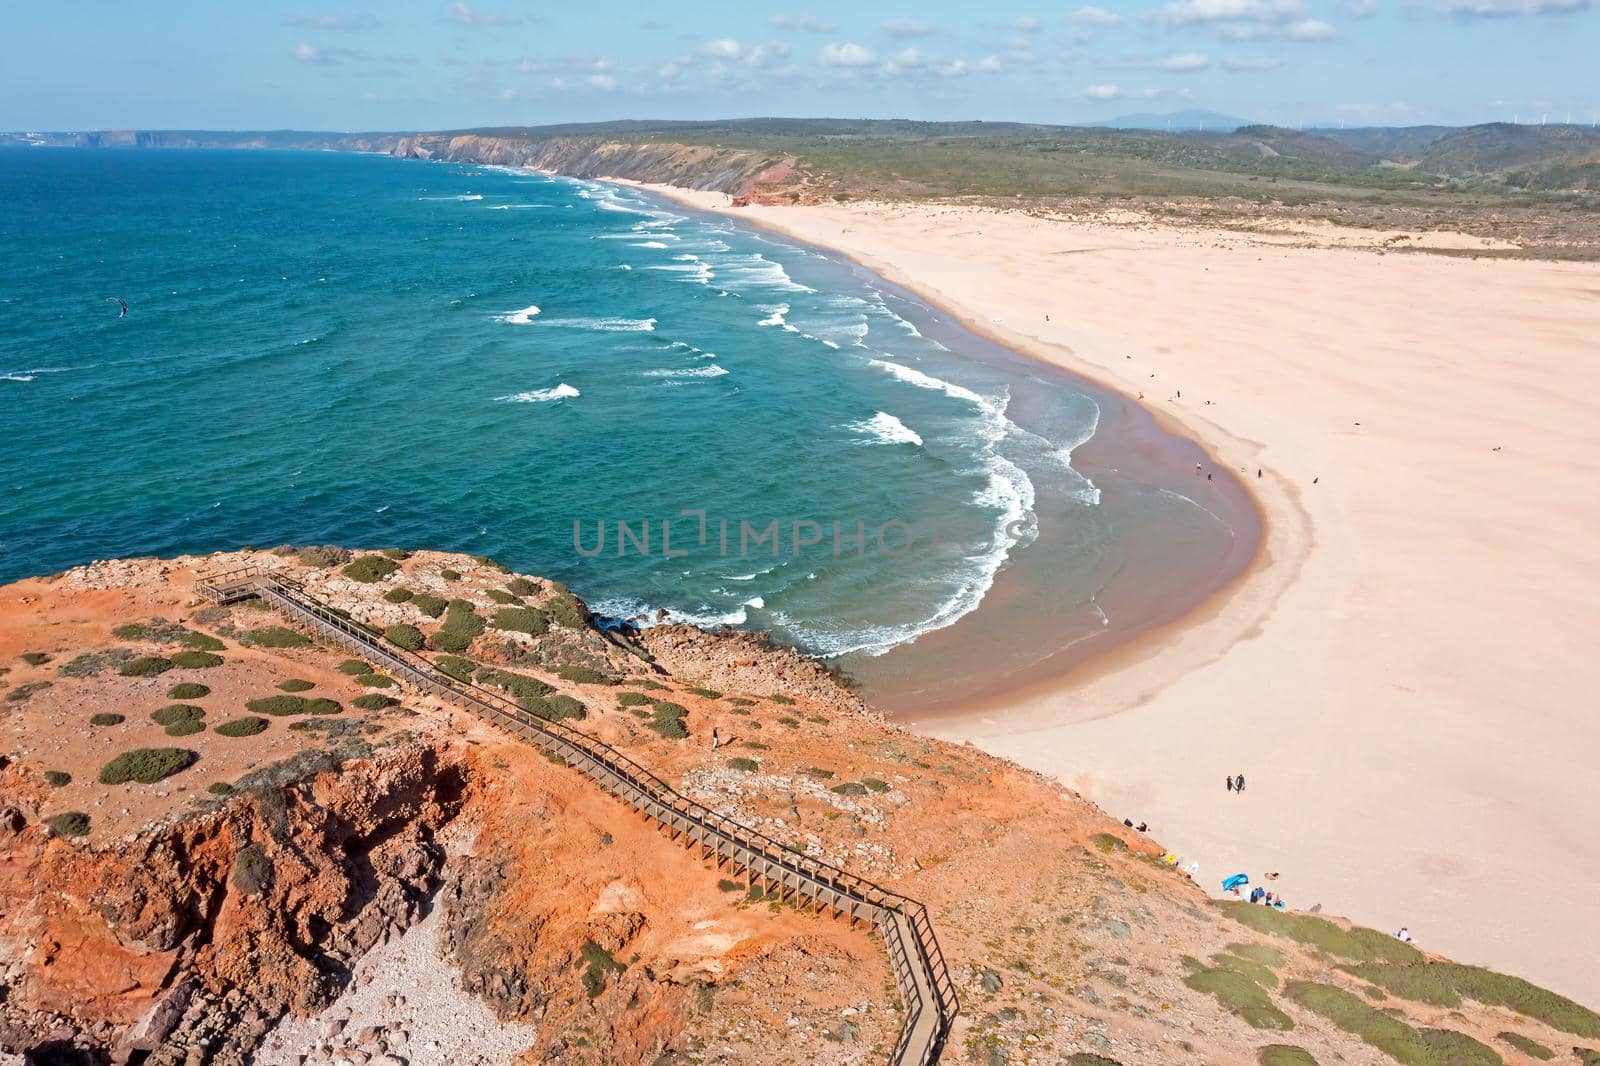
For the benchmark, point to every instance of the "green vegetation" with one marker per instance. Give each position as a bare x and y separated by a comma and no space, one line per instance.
849,788
296,684
667,719
195,660
632,699
1395,1038
708,693
219,788
188,690
353,667
491,564
741,701
247,726
69,824
554,708
780,699
1105,843
565,610
278,706
432,606
274,637
519,685
370,568
181,719
739,762
1089,1058
1531,1048
146,666
652,686
1266,956
1285,1055
107,718
400,595
146,765
372,701
1239,993
528,620
461,626
521,586
456,667
374,681
35,658
450,575
875,785
597,963
504,598
730,886
1359,945
322,706
397,554
322,558
584,675
1446,984
792,723
25,691
57,778
819,773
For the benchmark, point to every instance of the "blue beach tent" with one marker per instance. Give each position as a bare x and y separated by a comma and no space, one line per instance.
1234,882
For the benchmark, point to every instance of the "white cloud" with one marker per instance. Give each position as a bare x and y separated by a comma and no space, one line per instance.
465,15
1102,92
1299,30
1184,62
1188,12
909,28
306,53
1250,66
1512,8
991,65
668,71
955,68
528,66
904,60
809,23
603,82
848,54
1027,24
1096,16
331,22
722,48
1360,9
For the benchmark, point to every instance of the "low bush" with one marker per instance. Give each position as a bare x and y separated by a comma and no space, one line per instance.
491,564
274,637
57,778
816,719
1401,1042
455,666
296,684
374,681
107,718
739,762
353,667
849,788
195,660
398,595
521,586
404,636
632,699
323,558
146,666
372,701
188,690
321,706
25,691
69,824
667,719
819,773
565,610
1358,945
450,575
370,568
792,723
146,765
1105,843
1446,984
875,785
740,701
730,886
518,685
35,658
1531,1048
504,598
397,554
247,726
780,699
652,686
597,963
707,693
584,675
1239,994
278,706
461,626
432,606
174,713
553,708
528,620
219,788
200,641
1284,1055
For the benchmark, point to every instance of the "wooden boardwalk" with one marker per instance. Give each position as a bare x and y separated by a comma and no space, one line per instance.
928,993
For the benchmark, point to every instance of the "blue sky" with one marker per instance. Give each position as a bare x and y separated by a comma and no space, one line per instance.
409,64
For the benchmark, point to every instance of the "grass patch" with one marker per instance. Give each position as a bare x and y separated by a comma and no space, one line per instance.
565,610
400,595
107,718
1358,945
372,701
57,778
1106,843
454,666
247,726
274,637
1241,995
521,586
1446,984
780,699
1531,1048
584,675
146,765
404,636
296,684
219,788
632,699
875,785
370,568
504,598
195,660
146,666
1265,955
26,691
397,554
554,708
730,886
461,626
597,963
519,685
739,762
353,667
450,575
374,681
528,620
849,788
35,658
188,690
69,824
708,693
792,723
432,606
1284,1055
666,718
1401,1042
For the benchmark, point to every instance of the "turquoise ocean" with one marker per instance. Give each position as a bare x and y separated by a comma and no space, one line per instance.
359,350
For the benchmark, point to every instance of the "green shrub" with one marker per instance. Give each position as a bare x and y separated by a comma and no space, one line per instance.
741,701
200,641
819,773
455,666
1239,994
708,693
174,713
504,598
247,726
739,762
461,626
397,554
1531,1048
323,558
518,685
188,690
370,568
792,723
1105,843
780,699
274,637
632,699
432,606
667,720
147,666
404,636
219,788
354,666
1446,984
35,658
584,675
146,765
849,788
528,620
398,595
597,963
296,684
1284,1055
521,586
69,824
1401,1042
195,660
57,778
372,701
565,610
730,886
1360,945
278,706
450,575
322,706
874,785
553,708
488,563
816,719
107,718
652,686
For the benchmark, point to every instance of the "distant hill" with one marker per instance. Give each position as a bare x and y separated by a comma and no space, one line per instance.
1176,121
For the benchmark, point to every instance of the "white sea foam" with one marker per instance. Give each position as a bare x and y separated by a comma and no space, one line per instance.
647,244
463,197
756,270
755,601
885,428
776,318
519,318
562,391
916,377
712,371
706,617
517,207
606,325
16,377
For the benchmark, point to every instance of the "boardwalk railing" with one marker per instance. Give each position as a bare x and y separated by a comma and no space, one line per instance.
920,973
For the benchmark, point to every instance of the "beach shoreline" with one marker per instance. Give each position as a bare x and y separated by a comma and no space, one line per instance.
1404,745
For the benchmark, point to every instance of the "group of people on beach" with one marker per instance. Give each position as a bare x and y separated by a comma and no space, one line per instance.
1235,784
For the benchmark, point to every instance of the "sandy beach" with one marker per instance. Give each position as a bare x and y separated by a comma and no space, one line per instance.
1406,675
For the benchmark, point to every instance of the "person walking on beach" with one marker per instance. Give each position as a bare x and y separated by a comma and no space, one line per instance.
1238,783
1229,779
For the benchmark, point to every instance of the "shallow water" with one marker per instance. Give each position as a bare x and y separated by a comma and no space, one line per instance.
326,348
